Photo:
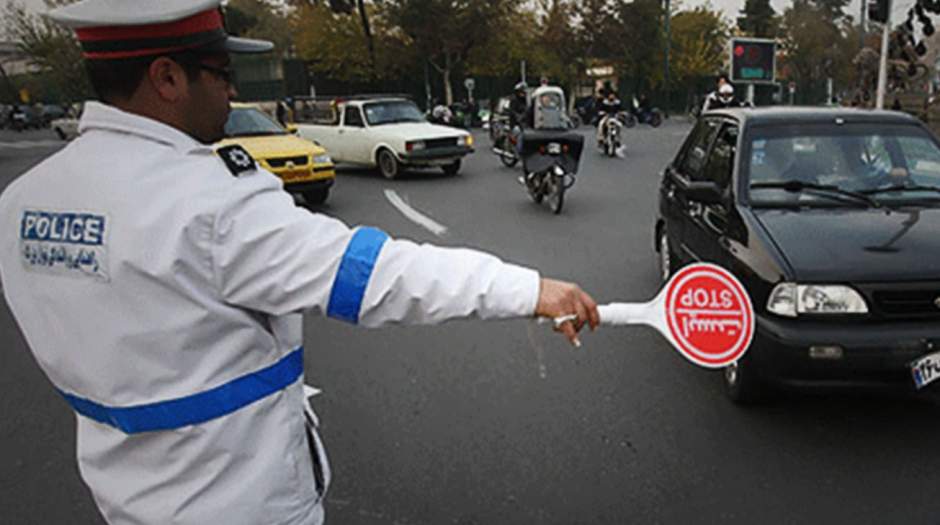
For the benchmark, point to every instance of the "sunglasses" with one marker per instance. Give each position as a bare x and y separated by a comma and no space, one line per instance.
226,74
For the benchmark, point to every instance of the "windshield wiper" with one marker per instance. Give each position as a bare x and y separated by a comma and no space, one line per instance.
798,186
902,187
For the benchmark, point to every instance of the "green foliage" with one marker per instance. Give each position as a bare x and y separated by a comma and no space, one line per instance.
258,19
815,45
48,47
699,39
758,19
334,44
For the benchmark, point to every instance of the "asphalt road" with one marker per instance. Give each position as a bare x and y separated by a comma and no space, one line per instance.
503,422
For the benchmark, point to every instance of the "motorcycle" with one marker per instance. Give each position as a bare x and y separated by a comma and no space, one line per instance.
550,151
652,116
505,142
550,162
612,130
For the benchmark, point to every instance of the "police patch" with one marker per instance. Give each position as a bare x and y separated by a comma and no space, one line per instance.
65,243
236,159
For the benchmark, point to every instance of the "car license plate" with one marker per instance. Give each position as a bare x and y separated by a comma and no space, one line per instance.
926,370
554,148
296,176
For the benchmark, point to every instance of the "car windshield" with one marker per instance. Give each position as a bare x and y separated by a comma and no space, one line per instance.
550,100
378,113
249,122
806,164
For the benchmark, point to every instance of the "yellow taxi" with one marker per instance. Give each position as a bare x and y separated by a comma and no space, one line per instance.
305,167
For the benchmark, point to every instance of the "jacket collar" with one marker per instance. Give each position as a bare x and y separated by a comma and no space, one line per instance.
98,116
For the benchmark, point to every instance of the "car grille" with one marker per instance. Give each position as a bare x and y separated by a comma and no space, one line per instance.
280,162
918,301
440,143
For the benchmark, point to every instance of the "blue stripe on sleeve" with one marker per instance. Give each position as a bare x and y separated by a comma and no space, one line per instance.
354,272
196,408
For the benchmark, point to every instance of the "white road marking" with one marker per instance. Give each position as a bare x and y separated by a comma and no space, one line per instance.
414,215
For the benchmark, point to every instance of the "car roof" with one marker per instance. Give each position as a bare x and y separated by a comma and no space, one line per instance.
771,115
243,105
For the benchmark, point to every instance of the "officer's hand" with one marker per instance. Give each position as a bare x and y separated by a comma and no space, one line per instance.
558,298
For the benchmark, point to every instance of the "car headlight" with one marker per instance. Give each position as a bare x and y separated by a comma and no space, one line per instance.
322,159
414,145
466,140
791,300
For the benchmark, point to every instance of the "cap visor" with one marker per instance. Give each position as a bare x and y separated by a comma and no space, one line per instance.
241,45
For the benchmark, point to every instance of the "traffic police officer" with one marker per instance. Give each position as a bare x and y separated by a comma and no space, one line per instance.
160,283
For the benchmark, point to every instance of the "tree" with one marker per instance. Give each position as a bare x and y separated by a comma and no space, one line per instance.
758,19
638,41
446,32
815,45
258,19
49,47
699,40
334,44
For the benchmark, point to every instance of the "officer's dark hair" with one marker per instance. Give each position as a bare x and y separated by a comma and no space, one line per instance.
723,76
117,80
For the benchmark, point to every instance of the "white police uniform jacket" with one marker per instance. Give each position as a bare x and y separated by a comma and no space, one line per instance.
162,296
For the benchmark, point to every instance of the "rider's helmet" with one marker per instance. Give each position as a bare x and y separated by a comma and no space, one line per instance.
521,87
726,93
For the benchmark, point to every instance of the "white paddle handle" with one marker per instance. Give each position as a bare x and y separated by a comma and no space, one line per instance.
624,313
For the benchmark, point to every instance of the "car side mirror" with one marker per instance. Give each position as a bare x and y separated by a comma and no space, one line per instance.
704,191
291,128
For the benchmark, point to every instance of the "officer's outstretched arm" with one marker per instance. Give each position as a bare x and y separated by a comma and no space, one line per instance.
273,257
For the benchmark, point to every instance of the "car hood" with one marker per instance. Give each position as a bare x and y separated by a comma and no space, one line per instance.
265,147
857,244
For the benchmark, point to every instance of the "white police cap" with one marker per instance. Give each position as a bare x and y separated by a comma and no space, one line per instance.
115,29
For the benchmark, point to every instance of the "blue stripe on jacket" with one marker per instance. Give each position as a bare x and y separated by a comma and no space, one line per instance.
196,408
353,274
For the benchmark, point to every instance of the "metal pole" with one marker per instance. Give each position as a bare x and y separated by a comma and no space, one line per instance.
750,94
666,20
523,70
861,24
883,65
427,87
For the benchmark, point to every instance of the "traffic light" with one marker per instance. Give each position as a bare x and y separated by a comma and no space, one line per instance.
752,60
878,10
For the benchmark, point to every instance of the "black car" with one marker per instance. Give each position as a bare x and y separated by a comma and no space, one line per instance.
831,220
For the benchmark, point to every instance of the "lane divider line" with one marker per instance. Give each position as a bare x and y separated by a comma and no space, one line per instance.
414,215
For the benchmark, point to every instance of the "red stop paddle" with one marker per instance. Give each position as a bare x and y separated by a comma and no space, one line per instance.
703,310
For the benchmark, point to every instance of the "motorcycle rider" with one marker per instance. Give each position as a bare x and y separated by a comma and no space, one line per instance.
608,108
722,97
441,114
519,106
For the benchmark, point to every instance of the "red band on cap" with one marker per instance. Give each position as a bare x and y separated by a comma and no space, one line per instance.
198,23
113,55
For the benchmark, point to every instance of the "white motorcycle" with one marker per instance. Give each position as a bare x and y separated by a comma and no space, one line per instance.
612,135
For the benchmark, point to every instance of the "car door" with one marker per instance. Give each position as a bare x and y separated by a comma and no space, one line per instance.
707,223
677,208
353,136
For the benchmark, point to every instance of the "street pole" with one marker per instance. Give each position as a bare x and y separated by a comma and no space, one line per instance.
861,25
666,73
523,70
883,65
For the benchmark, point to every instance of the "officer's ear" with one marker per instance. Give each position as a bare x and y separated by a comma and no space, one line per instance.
168,78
